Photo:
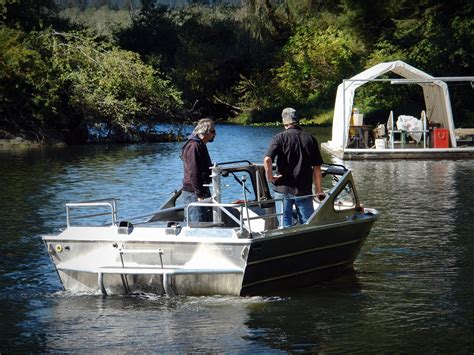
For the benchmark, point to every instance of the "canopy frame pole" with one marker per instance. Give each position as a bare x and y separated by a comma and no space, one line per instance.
346,134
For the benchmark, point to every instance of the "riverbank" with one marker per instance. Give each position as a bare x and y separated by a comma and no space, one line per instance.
8,141
272,117
21,143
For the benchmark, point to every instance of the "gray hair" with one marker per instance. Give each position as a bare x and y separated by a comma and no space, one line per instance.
203,127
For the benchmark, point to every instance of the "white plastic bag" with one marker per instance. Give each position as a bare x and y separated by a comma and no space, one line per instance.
410,124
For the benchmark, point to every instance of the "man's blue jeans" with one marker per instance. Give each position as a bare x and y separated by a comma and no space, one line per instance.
195,213
304,208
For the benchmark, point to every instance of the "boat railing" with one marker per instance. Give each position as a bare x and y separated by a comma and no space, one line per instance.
245,213
111,203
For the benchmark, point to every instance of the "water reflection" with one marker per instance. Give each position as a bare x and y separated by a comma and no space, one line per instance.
410,264
306,320
158,324
463,244
302,320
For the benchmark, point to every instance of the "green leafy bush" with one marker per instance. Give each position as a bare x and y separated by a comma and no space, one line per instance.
74,81
23,88
314,62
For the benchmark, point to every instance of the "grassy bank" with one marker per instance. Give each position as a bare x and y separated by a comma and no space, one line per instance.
308,117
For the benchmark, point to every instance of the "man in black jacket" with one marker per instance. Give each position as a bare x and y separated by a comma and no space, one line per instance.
196,165
298,162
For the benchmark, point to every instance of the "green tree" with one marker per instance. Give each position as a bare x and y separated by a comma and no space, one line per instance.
108,86
22,85
315,61
207,50
434,36
153,35
64,84
29,15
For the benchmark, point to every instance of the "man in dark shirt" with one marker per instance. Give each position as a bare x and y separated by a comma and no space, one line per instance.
196,165
298,162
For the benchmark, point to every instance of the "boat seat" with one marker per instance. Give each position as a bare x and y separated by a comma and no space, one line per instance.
261,219
257,223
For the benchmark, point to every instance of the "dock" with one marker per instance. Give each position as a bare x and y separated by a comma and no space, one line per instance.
398,153
432,135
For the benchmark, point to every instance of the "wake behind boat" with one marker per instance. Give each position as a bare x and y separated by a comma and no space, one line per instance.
239,251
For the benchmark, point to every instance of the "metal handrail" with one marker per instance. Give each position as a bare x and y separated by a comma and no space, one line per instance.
234,162
112,203
223,207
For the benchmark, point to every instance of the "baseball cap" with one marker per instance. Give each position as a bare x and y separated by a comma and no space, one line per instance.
288,116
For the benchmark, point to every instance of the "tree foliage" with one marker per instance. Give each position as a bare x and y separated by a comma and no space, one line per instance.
28,15
437,37
206,50
108,85
22,89
73,82
314,61
248,59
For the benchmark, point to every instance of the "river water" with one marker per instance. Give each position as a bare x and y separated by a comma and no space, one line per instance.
412,289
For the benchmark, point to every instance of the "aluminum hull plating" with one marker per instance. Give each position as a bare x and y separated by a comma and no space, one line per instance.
79,261
280,261
307,256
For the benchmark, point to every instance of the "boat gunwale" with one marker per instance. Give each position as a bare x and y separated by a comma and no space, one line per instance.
371,215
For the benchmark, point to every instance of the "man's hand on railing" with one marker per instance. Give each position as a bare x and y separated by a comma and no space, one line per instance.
321,196
273,178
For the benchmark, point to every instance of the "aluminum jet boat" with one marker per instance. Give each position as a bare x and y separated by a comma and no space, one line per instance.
238,250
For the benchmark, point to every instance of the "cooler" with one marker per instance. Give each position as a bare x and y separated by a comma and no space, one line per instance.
440,138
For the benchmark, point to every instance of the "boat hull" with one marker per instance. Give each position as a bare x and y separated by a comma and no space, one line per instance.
306,257
267,264
94,264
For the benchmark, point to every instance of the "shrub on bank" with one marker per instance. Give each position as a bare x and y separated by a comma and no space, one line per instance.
68,82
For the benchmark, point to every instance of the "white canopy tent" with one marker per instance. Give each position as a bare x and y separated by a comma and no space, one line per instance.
435,92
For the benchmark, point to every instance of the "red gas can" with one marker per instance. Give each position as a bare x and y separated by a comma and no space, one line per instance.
440,138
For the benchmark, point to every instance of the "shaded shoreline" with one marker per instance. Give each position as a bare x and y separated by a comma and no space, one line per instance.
18,142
